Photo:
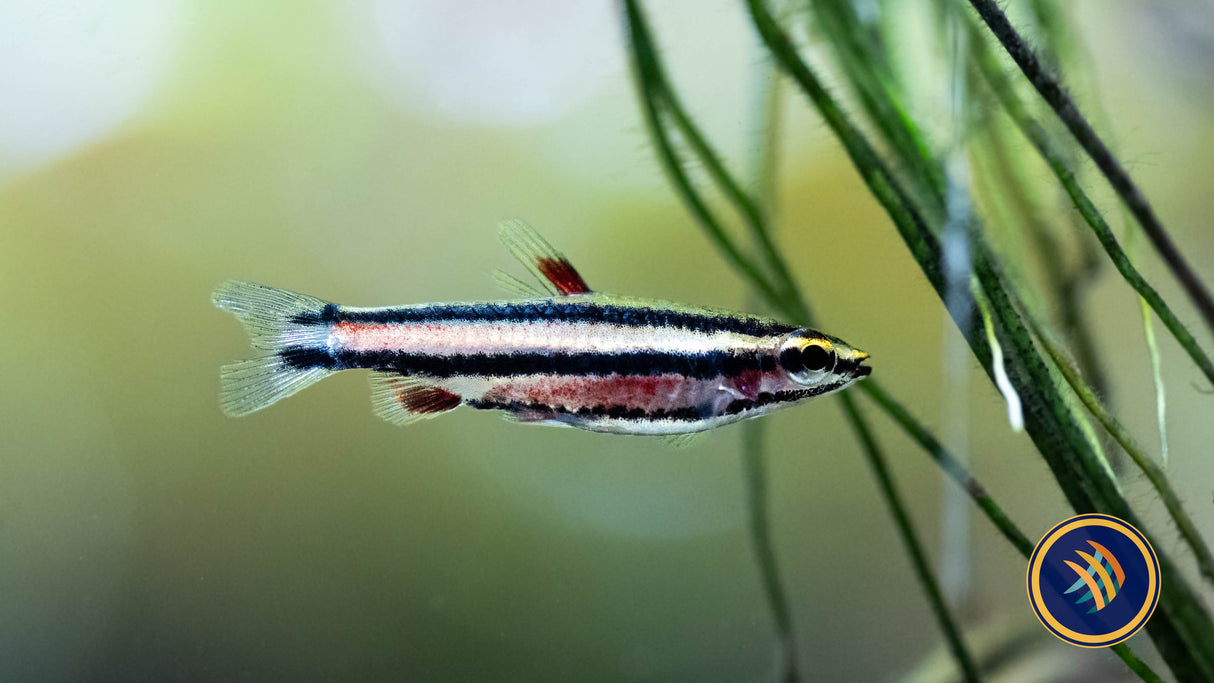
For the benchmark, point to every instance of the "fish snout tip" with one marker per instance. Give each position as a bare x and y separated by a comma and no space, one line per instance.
859,369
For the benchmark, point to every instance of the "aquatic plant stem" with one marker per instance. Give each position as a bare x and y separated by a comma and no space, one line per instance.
1040,139
655,83
864,60
650,84
1066,284
656,98
786,297
950,465
914,548
754,432
906,217
1060,101
1180,626
1188,531
978,493
759,516
1065,449
1135,664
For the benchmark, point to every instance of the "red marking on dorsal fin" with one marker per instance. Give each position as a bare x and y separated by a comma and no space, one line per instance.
562,275
425,400
547,264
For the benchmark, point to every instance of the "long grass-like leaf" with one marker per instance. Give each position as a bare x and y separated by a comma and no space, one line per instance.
1148,333
1181,628
1065,283
1057,97
656,102
655,92
1040,140
1178,626
1188,531
951,466
914,549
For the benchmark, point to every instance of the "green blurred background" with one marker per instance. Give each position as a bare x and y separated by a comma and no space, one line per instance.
362,152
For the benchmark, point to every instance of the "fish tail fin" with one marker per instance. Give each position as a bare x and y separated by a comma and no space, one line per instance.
290,332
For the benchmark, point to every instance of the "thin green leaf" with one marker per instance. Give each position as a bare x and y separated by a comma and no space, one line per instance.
914,548
1040,140
1188,530
1056,96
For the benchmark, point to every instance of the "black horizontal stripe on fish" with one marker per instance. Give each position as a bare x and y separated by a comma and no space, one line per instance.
686,414
693,365
623,316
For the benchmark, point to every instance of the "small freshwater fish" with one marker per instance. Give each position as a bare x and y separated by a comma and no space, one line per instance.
573,357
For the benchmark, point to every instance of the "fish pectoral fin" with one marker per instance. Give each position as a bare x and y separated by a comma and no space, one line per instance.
400,399
685,440
536,416
552,269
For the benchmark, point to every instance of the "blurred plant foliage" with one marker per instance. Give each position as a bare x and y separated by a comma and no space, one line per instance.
1031,335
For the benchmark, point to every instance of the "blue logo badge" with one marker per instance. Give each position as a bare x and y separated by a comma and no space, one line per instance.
1093,580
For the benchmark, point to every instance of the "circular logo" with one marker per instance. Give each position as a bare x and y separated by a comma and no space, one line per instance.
1093,580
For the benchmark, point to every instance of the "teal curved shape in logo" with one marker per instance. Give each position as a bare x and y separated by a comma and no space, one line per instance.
1103,577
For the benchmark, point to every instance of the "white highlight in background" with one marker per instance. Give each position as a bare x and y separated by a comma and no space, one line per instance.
494,64
73,71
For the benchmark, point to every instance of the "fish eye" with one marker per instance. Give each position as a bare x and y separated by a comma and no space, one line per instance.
805,359
816,358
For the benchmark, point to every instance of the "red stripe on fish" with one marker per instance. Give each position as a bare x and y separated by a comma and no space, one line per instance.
382,337
648,392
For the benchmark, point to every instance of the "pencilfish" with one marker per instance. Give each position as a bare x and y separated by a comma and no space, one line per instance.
568,356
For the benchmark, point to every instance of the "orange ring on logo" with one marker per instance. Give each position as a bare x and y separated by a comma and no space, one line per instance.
1033,581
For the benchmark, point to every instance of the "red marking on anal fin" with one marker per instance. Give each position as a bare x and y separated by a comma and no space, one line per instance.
400,399
562,275
426,400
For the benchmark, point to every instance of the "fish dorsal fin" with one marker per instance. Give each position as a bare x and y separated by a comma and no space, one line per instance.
401,400
516,286
547,264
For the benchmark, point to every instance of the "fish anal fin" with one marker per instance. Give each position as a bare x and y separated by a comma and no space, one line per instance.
425,400
553,270
401,400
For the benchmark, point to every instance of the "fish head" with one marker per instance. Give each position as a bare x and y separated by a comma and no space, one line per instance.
815,360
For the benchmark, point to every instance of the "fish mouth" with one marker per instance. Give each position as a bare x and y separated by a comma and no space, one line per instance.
858,369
